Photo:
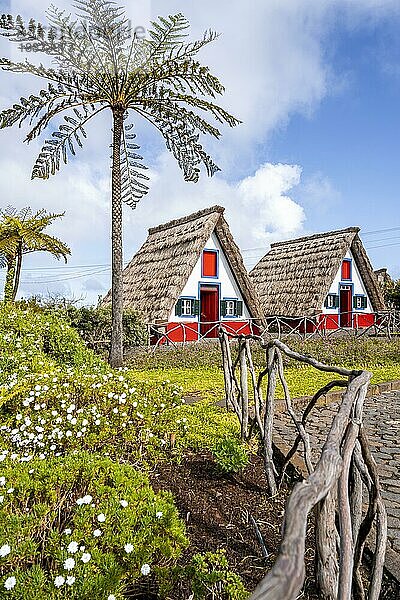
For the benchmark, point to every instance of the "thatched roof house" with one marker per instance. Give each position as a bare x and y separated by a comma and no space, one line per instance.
158,273
295,277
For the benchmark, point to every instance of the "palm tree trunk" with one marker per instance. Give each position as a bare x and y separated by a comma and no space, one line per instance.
117,291
18,272
10,276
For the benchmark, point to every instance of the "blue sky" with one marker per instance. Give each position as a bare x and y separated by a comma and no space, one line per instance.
317,85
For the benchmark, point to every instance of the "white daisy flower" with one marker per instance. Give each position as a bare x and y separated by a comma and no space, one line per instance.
10,583
145,570
59,581
69,564
128,548
72,547
86,557
4,550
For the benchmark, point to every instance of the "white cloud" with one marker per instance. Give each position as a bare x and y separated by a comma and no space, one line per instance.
264,196
259,208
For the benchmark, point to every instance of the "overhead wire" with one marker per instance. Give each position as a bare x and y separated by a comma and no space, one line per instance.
105,267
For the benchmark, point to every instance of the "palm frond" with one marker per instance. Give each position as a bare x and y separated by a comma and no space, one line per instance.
63,142
132,186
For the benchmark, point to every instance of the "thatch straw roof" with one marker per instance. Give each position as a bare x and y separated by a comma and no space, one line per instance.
294,277
157,274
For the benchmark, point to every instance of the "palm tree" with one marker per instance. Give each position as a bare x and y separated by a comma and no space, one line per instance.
100,66
22,233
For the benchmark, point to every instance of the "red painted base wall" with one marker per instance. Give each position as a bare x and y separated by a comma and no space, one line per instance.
359,320
186,331
324,322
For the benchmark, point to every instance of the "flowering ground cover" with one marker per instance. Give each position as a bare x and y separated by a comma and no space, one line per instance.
78,516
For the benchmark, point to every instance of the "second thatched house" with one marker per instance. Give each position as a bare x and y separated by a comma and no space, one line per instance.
327,276
188,277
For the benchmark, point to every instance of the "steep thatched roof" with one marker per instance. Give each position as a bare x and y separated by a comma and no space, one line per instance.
294,277
157,274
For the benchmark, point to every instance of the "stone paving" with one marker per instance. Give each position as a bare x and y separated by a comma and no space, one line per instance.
382,423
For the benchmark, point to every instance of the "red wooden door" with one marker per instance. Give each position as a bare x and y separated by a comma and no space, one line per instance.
346,306
209,311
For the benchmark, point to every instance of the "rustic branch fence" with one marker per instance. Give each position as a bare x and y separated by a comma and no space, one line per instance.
338,481
386,323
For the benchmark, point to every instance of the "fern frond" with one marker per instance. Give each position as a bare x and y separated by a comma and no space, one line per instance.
26,228
132,189
167,33
182,140
110,27
180,76
65,40
30,108
71,80
62,143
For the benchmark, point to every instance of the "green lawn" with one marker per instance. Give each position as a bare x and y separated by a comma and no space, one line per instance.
209,382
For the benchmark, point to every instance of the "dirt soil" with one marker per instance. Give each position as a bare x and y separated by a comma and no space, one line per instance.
217,510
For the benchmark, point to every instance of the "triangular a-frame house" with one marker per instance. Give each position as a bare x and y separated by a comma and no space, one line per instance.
189,276
327,274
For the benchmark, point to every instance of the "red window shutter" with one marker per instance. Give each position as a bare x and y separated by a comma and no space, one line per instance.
210,263
346,269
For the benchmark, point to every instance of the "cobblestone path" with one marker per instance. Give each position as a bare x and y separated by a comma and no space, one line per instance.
382,423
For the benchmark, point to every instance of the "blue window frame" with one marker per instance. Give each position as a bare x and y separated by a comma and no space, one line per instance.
360,302
187,306
210,251
231,308
332,301
347,270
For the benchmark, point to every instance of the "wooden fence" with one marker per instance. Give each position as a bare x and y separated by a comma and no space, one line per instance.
338,481
385,324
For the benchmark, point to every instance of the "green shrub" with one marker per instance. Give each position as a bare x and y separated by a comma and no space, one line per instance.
103,518
31,341
207,576
230,454
94,325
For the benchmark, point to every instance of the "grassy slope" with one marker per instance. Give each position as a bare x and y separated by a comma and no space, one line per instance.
381,357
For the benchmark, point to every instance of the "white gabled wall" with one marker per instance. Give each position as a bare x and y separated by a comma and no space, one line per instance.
228,289
358,287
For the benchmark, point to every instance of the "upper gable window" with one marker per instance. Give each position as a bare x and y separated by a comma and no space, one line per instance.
346,270
209,263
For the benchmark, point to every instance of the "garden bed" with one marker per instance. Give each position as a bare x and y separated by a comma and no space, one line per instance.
217,510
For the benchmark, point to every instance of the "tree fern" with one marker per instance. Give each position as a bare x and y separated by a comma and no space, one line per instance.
97,64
